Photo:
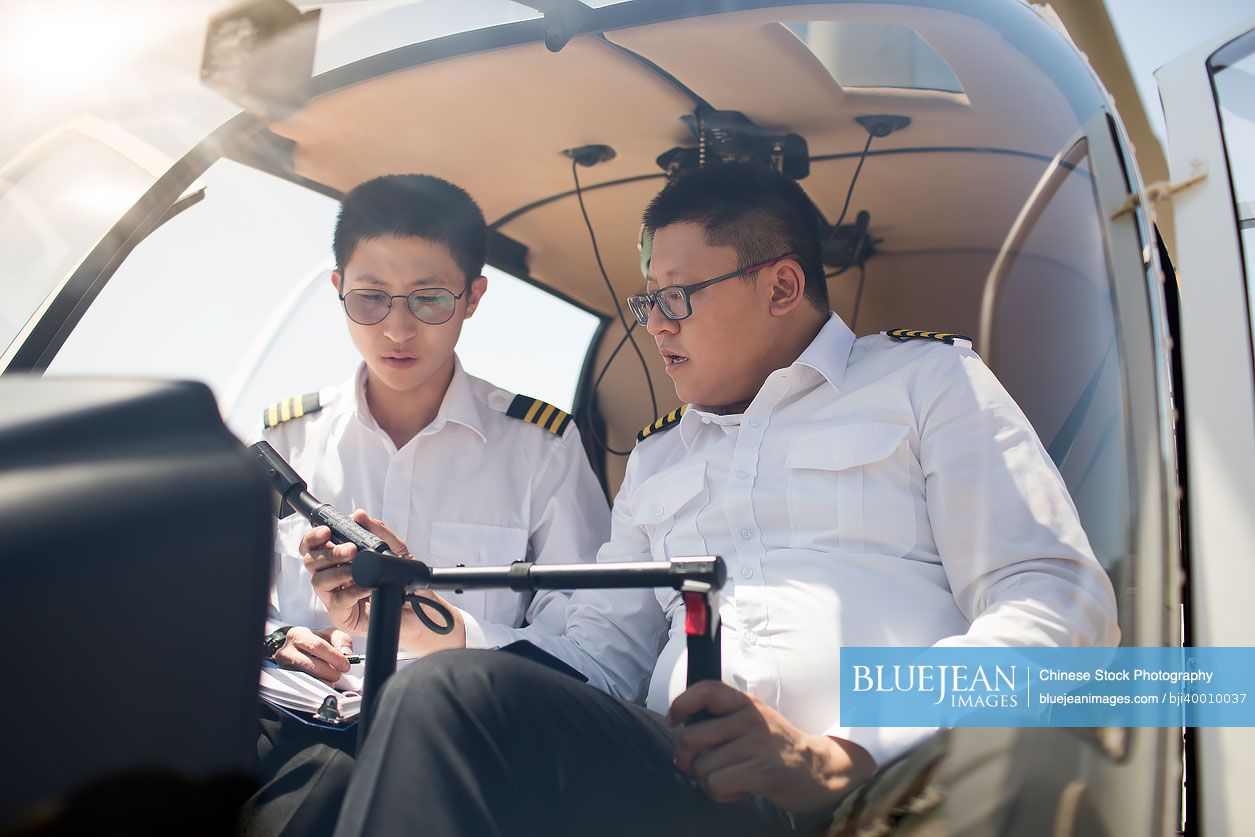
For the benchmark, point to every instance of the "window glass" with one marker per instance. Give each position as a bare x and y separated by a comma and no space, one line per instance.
349,32
57,201
1233,77
236,292
863,54
1054,345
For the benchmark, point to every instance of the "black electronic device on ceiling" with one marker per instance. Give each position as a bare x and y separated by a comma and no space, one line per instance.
729,136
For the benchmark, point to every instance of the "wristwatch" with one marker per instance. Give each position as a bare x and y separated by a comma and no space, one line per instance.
276,640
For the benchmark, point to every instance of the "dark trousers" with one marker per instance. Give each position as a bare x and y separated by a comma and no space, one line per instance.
303,771
480,743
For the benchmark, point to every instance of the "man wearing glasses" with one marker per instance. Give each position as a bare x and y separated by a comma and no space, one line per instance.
863,492
464,471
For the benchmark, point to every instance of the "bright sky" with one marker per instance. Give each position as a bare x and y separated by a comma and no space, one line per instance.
1153,32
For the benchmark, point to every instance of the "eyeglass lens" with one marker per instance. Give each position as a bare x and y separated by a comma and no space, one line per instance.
672,301
433,306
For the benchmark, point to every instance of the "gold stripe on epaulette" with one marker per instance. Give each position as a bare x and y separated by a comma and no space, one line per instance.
662,423
904,334
537,412
291,408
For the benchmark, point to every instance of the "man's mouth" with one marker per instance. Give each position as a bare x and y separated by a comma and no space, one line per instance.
399,360
671,358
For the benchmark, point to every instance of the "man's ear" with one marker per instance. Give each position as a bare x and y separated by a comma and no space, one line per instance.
337,281
787,285
479,286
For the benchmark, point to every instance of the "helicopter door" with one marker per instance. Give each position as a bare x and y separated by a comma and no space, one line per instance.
1208,96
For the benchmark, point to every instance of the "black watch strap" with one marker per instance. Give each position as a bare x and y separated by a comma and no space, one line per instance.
276,640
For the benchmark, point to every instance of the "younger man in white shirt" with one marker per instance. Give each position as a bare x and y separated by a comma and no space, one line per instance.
466,472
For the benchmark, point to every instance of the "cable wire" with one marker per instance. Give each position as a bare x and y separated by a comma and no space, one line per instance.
601,443
849,193
858,296
614,300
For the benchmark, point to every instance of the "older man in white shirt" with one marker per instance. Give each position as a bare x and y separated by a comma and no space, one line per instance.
862,492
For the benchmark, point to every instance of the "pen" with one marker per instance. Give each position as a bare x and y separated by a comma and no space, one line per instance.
354,659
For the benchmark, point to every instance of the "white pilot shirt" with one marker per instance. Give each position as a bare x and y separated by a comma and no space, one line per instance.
474,487
873,493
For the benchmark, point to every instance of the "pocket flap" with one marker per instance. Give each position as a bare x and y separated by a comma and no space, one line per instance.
661,496
837,448
477,543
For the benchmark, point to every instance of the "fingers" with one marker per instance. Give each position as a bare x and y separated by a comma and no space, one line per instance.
729,782
329,555
713,696
378,527
339,639
315,538
345,598
336,588
318,648
294,655
324,581
710,735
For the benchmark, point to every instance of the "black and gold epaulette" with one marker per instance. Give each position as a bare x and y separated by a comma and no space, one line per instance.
662,423
904,334
537,412
291,408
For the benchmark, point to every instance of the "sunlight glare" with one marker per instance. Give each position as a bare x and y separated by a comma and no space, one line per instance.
58,46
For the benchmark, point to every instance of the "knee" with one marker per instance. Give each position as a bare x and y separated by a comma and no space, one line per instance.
466,681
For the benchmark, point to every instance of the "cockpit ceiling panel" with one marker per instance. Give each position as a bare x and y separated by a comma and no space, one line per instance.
919,202
749,61
496,122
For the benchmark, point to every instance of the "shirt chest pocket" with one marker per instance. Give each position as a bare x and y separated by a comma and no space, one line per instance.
479,544
850,489
666,508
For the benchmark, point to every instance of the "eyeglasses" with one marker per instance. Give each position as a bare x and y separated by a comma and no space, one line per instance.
433,306
675,301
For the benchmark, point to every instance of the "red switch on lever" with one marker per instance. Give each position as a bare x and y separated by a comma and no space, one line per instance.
696,614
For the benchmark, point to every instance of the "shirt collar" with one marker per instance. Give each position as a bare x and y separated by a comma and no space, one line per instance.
829,353
459,405
695,418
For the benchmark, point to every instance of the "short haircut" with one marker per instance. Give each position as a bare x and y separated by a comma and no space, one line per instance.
757,211
413,206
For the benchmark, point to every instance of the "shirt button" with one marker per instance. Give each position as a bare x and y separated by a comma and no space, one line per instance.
751,638
747,534
746,572
658,511
742,475
755,423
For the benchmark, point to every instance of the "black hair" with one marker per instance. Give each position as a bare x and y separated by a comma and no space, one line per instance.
757,211
413,206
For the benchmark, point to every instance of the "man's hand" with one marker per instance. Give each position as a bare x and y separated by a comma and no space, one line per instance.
416,637
750,748
320,653
331,569
349,605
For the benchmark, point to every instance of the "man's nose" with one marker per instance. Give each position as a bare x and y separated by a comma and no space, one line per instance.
657,323
400,324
